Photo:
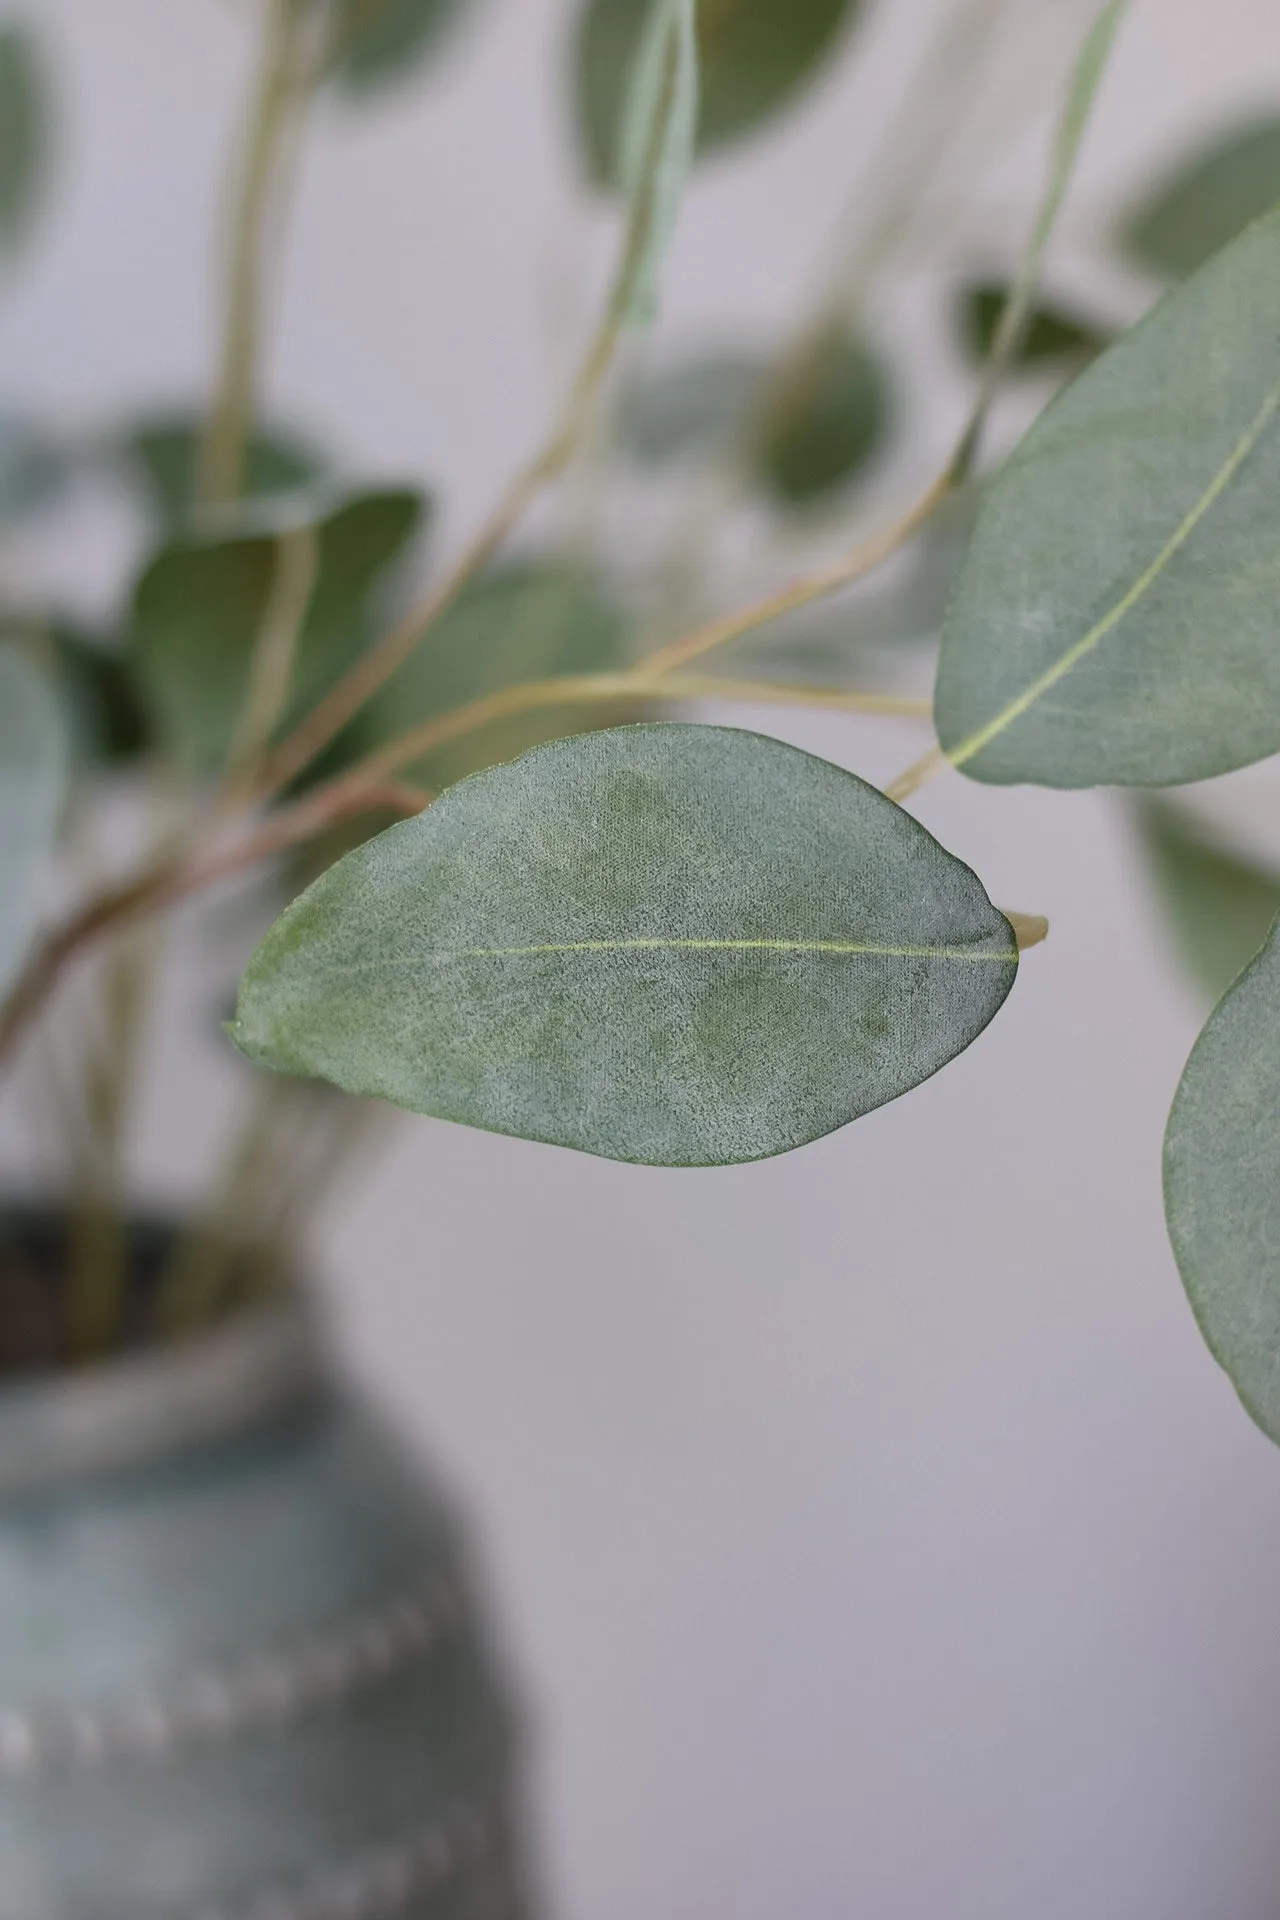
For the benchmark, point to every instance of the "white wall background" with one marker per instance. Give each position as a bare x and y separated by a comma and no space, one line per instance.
875,1534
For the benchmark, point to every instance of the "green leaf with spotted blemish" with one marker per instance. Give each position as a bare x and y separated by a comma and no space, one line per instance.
1222,1193
674,944
1115,622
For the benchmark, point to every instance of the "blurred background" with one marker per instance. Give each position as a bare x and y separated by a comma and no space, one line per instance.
872,1531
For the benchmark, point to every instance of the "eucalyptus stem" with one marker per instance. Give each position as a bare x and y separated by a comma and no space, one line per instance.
278,94
275,651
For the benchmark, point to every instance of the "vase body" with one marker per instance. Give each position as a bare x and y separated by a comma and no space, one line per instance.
242,1671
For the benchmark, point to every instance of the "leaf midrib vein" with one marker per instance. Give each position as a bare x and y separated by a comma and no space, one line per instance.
975,742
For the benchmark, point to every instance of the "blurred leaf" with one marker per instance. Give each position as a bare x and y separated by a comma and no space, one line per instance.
1208,199
1115,620
198,610
1218,906
25,116
697,407
1053,334
756,56
527,620
659,127
676,945
1222,1196
383,42
163,452
825,426
34,468
33,779
104,704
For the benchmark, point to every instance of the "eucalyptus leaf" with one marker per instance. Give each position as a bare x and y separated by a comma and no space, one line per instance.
694,408
106,712
824,427
162,452
527,620
33,778
1222,1194
1208,199
1217,904
1054,336
671,944
25,118
380,43
655,154
756,57
199,607
35,469
1115,621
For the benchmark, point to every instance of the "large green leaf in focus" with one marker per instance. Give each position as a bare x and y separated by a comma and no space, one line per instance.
25,111
164,452
527,620
1218,905
756,56
1116,619
1208,200
672,944
1222,1184
199,607
380,43
33,776
825,426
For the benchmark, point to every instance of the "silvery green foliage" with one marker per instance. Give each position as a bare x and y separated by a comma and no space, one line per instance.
756,56
33,777
1218,904
24,131
655,151
1208,199
1222,1184
200,604
673,944
381,43
1115,621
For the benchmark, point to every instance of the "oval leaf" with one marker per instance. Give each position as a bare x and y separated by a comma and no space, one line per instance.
33,777
671,944
24,131
527,620
379,43
1054,336
163,453
200,605
823,429
1218,905
1115,622
1209,200
756,56
1222,1193
695,408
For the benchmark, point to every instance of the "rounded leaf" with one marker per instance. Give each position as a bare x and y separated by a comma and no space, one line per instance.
755,57
25,114
1115,620
380,43
162,452
695,408
1222,1193
1209,199
1055,334
33,778
822,430
678,945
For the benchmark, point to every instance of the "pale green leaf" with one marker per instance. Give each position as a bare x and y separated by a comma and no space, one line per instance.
33,776
757,56
1208,200
162,452
1222,1193
200,605
526,620
25,114
672,944
381,43
1217,904
696,408
822,430
655,153
1115,622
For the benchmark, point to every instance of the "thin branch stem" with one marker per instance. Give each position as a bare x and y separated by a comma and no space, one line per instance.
275,650
918,775
277,98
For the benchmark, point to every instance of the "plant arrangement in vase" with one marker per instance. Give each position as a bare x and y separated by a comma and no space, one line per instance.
517,890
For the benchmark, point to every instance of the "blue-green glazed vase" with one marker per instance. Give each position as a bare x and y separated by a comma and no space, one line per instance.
243,1675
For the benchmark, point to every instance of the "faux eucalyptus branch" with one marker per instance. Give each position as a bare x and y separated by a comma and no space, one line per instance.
658,941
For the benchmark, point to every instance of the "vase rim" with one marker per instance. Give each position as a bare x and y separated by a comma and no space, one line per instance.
136,1407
